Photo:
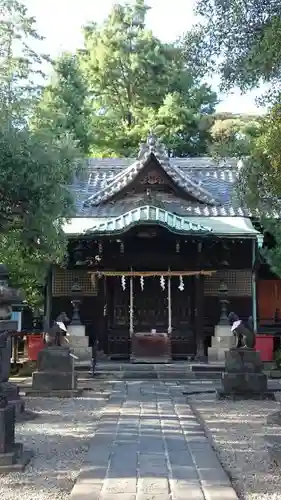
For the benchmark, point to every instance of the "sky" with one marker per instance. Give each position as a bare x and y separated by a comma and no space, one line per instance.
60,22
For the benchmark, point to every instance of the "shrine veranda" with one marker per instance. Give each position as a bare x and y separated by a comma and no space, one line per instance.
153,241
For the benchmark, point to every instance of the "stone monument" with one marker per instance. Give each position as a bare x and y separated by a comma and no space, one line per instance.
243,377
12,455
76,336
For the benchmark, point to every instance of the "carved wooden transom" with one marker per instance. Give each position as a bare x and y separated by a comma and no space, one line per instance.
153,177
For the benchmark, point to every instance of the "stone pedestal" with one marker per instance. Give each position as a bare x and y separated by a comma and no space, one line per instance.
11,391
8,389
55,375
79,345
222,341
13,457
243,377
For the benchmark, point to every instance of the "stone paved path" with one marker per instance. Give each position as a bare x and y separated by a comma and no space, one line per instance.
149,446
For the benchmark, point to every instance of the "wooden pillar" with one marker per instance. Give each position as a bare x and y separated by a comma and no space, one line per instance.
102,315
48,299
199,316
169,306
131,306
254,285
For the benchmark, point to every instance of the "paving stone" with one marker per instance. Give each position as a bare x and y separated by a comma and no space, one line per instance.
181,472
153,485
84,491
150,446
120,485
152,496
117,496
219,493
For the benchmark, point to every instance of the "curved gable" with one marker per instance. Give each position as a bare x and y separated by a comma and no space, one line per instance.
152,153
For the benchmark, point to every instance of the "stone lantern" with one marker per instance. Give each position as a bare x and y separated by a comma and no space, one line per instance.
10,298
12,456
76,332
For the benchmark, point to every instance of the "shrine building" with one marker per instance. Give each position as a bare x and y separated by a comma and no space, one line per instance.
155,244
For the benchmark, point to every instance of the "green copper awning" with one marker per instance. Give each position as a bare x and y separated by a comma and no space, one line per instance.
148,215
140,215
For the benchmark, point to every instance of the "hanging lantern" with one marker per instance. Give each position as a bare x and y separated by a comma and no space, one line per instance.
78,254
177,247
100,248
142,283
122,247
181,285
162,283
123,283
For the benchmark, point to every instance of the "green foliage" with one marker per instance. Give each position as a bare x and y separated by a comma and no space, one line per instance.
65,101
20,65
34,200
260,181
232,135
137,82
36,164
240,38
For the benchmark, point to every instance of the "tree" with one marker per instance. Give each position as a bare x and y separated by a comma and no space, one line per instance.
20,65
232,135
136,81
36,164
66,101
242,39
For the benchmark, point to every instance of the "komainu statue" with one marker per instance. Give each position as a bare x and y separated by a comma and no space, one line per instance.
57,331
245,335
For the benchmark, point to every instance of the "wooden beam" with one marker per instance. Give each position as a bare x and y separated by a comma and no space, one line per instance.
199,319
151,273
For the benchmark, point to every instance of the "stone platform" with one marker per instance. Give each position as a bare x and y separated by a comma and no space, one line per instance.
63,393
243,377
55,374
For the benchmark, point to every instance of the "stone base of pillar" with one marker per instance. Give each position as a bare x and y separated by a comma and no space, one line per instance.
11,392
78,343
13,457
15,460
222,342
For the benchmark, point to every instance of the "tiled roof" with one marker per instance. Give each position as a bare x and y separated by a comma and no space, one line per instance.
122,179
210,182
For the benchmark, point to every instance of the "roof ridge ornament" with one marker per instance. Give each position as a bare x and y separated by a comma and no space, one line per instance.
153,145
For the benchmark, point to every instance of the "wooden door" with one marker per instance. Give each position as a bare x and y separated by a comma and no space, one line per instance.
268,299
150,305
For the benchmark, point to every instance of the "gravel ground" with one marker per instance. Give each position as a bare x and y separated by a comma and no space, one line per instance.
238,430
59,438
